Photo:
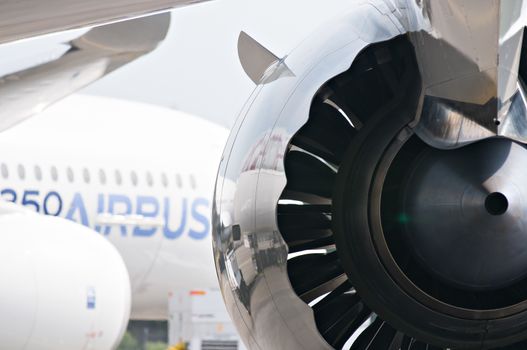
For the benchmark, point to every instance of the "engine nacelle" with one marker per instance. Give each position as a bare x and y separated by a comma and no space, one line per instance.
63,285
371,193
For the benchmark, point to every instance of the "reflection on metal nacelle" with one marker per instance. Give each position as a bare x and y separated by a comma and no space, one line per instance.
372,193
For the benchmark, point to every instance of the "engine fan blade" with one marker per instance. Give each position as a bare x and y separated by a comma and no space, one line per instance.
379,335
308,174
328,135
304,223
313,275
340,314
417,345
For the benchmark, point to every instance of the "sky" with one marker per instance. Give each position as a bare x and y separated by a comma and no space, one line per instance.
196,69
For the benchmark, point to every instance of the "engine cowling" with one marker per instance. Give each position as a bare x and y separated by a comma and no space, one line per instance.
63,285
371,193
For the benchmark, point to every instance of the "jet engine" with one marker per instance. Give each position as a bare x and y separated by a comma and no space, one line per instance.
371,194
63,286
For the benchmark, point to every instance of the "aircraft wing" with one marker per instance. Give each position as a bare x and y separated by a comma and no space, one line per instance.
122,31
21,19
90,57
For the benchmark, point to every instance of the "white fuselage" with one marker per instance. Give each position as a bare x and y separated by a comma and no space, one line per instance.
142,176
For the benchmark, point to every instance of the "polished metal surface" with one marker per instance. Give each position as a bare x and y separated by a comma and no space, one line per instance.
469,64
250,253
469,205
469,56
90,57
21,19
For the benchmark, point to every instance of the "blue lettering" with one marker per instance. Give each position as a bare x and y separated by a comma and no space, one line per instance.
117,204
27,202
77,204
58,205
201,218
100,210
153,205
179,231
9,192
113,200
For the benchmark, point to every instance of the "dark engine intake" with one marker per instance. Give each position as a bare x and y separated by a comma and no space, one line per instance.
373,196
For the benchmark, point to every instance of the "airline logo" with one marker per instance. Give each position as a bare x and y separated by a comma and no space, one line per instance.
90,298
142,216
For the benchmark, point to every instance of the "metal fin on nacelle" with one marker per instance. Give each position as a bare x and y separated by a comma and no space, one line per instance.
90,57
259,63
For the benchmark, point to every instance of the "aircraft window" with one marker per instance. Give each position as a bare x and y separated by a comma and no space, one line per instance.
133,177
192,182
5,171
21,172
149,179
178,181
69,174
38,173
86,175
118,177
54,173
102,176
164,180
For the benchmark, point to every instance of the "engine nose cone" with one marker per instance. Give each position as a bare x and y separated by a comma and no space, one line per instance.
496,203
465,214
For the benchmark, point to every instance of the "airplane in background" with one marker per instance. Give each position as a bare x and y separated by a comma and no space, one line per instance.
371,194
64,286
139,175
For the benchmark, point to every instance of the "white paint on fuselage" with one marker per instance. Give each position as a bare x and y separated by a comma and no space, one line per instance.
96,134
